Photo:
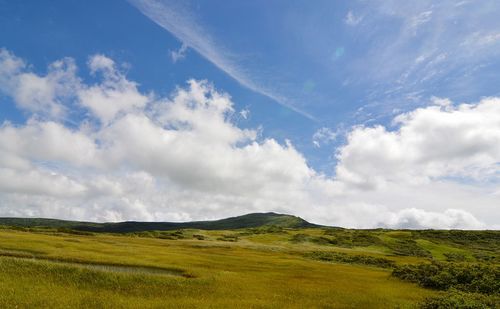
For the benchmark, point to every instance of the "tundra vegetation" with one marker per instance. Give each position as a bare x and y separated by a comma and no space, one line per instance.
258,260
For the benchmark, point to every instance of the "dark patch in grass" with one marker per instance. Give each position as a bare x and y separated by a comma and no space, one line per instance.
231,238
210,247
199,237
21,253
120,268
72,240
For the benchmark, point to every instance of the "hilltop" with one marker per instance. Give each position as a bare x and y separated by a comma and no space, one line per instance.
251,220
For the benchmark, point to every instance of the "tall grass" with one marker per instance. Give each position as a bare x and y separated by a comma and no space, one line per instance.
255,271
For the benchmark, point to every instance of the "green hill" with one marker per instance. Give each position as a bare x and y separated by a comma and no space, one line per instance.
246,221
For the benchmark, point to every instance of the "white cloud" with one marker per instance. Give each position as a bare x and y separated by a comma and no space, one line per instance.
182,158
114,95
38,182
430,143
480,39
413,218
323,136
245,113
420,19
179,54
38,94
351,19
47,141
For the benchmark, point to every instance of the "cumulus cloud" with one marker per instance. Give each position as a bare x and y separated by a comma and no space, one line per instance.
429,143
114,95
135,156
38,94
47,141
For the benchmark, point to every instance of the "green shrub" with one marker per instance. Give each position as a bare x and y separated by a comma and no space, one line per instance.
454,257
461,300
468,277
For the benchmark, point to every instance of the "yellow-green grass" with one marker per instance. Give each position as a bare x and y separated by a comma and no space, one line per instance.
268,273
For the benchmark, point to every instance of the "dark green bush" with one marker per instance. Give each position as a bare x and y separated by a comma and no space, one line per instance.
468,277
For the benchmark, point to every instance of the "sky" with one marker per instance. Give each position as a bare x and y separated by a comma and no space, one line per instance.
347,113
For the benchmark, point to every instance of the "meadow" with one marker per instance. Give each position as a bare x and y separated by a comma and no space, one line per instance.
261,267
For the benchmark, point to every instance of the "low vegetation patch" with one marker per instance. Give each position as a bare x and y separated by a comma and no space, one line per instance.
173,235
271,229
468,285
351,238
350,259
455,257
408,247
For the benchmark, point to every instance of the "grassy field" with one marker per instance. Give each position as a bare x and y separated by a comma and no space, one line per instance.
268,267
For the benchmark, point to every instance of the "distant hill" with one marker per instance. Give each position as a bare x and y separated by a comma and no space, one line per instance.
252,220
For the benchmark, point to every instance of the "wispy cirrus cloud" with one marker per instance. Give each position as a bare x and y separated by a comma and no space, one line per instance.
428,51
179,20
351,19
177,55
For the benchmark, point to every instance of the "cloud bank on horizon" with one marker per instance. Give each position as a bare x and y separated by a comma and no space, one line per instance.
136,155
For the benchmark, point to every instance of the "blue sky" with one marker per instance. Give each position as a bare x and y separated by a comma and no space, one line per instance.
299,71
297,67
